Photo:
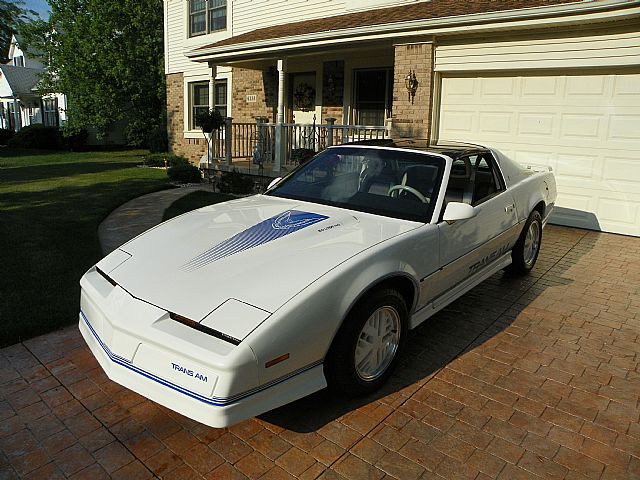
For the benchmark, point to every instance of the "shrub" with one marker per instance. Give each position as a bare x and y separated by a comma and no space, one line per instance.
37,136
235,182
301,155
5,135
157,140
184,174
76,140
158,159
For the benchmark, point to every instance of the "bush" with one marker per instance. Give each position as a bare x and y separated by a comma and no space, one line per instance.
235,182
301,155
157,140
76,141
158,159
5,135
184,174
37,136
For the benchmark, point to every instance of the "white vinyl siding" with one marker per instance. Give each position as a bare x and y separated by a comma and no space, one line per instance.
251,15
585,125
592,51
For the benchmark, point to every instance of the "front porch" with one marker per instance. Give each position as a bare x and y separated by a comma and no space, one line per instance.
273,149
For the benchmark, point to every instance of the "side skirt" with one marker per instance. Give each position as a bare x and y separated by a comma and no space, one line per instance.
449,296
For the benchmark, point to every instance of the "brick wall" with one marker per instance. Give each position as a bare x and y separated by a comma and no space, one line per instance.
191,148
262,84
413,119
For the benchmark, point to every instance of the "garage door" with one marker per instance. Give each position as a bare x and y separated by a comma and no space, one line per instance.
587,127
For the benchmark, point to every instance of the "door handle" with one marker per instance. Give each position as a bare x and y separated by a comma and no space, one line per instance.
509,208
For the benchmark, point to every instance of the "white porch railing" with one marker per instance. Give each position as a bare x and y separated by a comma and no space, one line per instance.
258,142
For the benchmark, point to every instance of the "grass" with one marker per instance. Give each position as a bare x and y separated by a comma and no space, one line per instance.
51,204
198,199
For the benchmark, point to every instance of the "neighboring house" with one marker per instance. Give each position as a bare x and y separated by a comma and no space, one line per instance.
554,82
20,102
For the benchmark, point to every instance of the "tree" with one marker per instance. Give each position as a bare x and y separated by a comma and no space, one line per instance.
107,57
12,17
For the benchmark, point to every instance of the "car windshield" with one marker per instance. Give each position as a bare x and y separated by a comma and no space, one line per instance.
391,182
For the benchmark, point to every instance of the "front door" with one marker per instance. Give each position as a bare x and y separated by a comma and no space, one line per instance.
303,98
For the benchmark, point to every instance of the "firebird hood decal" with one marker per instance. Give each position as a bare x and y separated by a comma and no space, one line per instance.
266,231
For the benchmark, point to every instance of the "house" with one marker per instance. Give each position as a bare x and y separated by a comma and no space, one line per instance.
20,102
553,82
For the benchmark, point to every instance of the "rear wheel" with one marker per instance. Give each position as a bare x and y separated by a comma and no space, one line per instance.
366,348
525,251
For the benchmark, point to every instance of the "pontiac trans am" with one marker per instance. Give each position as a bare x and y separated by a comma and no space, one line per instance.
240,307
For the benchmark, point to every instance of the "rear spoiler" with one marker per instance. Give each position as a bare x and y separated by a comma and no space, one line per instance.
539,168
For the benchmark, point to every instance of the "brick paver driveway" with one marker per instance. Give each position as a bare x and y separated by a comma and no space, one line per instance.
521,378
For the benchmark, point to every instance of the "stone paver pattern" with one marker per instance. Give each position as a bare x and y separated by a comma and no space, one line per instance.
534,377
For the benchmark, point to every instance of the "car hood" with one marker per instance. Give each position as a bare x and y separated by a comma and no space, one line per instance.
260,250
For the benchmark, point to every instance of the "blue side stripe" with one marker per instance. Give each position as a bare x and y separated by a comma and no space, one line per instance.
214,401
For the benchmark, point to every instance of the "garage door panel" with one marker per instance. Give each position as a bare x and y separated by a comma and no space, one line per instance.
581,126
587,127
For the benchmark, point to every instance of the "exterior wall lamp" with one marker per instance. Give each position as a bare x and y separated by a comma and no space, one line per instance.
411,83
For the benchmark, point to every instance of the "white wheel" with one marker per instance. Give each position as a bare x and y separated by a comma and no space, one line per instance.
366,348
377,343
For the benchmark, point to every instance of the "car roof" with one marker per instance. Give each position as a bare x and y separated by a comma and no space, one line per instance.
450,149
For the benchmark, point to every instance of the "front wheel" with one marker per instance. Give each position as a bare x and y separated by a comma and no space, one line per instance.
366,348
525,251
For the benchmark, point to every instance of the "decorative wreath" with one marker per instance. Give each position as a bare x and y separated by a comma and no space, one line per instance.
304,97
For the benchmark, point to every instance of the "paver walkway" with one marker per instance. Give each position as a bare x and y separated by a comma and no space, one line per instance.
534,377
139,215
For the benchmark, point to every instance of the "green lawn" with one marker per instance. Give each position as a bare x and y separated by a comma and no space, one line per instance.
194,200
50,207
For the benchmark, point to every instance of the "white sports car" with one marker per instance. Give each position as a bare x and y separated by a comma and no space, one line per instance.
237,308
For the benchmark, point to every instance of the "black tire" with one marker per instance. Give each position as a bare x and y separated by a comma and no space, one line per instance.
340,364
524,254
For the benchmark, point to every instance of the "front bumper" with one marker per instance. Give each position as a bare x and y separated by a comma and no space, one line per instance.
201,377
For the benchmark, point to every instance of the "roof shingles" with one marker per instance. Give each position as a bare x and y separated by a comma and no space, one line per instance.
22,80
417,11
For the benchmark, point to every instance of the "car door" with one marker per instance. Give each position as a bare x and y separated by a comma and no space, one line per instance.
469,246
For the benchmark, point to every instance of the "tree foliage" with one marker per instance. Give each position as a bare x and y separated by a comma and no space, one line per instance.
12,16
107,57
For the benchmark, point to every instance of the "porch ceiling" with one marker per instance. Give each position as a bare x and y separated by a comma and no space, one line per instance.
401,23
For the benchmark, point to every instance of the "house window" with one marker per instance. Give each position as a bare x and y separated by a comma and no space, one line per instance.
373,92
199,99
18,61
206,16
50,112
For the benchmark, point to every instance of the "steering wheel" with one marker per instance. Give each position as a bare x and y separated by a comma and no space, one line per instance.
409,189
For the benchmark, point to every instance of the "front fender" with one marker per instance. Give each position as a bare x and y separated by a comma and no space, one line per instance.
305,326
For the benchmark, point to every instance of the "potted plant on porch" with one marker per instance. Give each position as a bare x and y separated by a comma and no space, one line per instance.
209,121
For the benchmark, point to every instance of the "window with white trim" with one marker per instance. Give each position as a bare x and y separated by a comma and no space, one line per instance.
206,16
50,115
199,100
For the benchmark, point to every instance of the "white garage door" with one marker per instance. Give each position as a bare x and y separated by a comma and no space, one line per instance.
587,127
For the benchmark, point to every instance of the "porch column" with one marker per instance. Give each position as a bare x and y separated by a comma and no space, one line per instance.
16,114
281,141
212,85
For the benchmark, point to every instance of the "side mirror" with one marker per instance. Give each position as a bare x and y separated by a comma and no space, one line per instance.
273,182
458,211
